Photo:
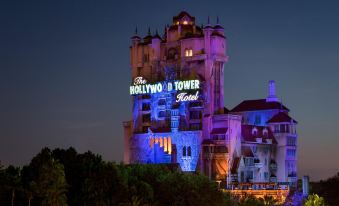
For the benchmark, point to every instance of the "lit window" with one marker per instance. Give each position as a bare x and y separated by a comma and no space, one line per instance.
185,22
188,52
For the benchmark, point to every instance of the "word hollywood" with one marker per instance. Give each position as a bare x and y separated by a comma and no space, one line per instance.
140,86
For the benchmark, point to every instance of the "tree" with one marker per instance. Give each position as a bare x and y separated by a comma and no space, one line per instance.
315,200
12,176
51,183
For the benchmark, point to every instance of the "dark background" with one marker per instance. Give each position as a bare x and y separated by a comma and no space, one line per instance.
65,70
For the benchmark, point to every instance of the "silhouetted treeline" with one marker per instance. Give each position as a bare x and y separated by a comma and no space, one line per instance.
328,189
64,177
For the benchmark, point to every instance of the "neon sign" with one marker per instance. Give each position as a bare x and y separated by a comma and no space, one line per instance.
140,86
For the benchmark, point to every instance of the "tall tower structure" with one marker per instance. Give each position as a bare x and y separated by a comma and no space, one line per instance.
172,126
178,113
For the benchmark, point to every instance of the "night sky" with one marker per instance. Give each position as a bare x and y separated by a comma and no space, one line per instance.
65,75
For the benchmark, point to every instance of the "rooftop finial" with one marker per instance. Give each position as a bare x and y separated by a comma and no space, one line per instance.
271,92
136,30
217,19
208,20
156,32
149,30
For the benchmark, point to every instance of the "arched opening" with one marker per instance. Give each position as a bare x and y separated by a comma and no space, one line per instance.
184,151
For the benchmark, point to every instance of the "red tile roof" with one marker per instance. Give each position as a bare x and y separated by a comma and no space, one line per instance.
246,151
281,117
249,136
258,104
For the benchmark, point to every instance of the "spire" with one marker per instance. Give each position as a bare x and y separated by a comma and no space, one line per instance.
271,92
149,31
135,36
208,20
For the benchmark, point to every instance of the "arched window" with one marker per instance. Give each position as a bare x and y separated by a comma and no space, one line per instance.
189,152
184,151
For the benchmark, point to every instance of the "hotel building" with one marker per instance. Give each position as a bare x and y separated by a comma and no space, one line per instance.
178,114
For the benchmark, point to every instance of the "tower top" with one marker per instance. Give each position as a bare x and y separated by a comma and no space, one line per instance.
184,18
271,92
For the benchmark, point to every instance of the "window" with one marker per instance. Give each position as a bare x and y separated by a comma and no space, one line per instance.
189,152
218,136
282,128
188,52
146,57
195,114
290,152
146,107
266,175
195,126
162,101
276,128
249,161
184,151
249,175
146,117
291,141
162,114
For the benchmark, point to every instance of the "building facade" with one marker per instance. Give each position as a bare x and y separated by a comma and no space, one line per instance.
177,89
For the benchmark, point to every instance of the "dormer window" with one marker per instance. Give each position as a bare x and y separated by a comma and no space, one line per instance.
188,52
254,131
265,132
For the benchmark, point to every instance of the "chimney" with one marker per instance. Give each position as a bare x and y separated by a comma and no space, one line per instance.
271,92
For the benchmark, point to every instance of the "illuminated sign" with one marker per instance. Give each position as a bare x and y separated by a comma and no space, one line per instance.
140,86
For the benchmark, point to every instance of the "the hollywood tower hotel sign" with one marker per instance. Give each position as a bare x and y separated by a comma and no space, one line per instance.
176,88
140,86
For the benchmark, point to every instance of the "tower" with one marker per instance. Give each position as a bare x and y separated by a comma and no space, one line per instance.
187,66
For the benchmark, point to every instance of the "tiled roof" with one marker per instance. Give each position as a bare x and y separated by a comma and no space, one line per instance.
219,131
258,104
249,136
281,117
246,151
